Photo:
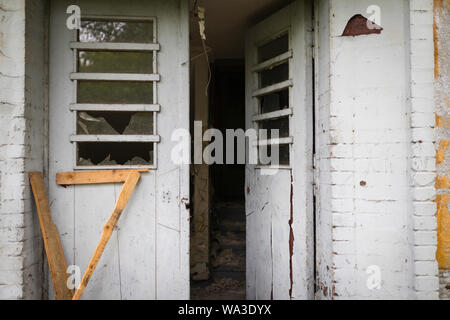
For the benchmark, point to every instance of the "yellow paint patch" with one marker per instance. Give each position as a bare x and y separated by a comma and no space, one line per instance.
442,183
442,122
440,152
437,4
443,231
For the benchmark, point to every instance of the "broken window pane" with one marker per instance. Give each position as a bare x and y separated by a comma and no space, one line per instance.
283,154
282,124
116,31
107,122
114,153
131,92
274,101
115,62
273,48
275,75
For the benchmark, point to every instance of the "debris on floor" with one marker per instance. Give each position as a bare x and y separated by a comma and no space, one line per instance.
227,256
199,272
220,289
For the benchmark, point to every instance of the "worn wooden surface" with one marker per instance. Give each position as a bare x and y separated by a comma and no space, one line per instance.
108,229
55,255
93,177
148,256
279,218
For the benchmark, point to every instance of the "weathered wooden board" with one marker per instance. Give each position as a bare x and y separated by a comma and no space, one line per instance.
108,229
91,214
55,255
136,245
129,264
279,226
93,177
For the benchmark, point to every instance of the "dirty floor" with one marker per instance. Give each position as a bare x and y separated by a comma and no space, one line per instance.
227,255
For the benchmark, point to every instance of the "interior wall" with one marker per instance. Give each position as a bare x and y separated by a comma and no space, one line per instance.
200,173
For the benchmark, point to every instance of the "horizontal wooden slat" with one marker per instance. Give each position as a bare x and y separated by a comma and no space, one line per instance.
273,62
287,140
108,18
273,115
114,138
273,88
115,167
114,46
114,107
114,76
94,177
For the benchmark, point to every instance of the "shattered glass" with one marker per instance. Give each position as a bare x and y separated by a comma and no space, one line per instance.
115,153
112,122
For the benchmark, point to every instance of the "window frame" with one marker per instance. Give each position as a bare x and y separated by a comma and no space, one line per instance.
154,107
258,92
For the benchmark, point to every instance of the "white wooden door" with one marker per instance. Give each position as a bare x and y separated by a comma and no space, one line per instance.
279,199
118,89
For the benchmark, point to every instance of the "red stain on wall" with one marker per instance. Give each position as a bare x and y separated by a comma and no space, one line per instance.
359,25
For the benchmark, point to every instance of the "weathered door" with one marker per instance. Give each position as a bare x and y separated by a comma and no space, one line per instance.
279,200
118,89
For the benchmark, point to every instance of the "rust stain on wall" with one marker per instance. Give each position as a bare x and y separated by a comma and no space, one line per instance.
359,25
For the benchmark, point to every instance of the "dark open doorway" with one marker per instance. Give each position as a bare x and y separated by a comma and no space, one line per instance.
218,220
227,210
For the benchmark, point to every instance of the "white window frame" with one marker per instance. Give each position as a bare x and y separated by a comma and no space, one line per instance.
153,47
258,92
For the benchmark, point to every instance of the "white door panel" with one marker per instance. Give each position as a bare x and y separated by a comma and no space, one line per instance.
128,268
279,202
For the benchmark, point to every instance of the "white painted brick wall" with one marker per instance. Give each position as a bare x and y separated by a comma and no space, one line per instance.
22,86
12,100
378,150
423,164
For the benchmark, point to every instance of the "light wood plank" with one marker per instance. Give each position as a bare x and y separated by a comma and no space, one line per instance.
93,177
115,46
108,229
114,138
53,248
273,88
114,76
287,140
273,115
114,107
271,63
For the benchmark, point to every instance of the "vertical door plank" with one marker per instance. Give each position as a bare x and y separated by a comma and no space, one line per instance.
136,245
108,229
93,206
61,126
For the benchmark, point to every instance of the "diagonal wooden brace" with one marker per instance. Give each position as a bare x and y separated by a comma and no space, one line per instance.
108,229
